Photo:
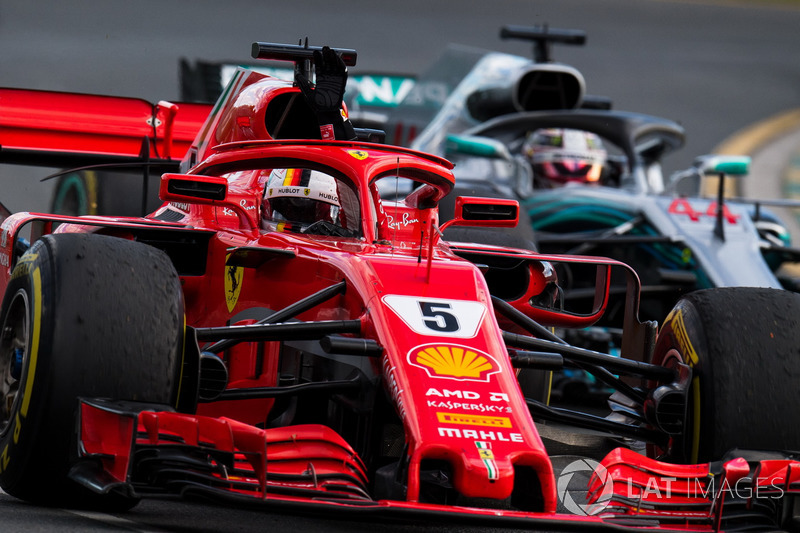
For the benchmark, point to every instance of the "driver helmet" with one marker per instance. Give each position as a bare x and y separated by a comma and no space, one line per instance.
562,156
300,196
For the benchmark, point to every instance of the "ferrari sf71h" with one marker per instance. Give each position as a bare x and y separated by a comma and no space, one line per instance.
280,332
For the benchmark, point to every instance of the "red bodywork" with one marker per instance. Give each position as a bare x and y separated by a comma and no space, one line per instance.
384,275
68,124
451,385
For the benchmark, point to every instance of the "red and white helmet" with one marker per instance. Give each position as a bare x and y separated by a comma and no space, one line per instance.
300,195
561,156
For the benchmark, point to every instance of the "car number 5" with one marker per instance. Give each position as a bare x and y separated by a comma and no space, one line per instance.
437,317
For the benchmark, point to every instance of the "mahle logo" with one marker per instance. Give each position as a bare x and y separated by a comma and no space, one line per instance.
569,492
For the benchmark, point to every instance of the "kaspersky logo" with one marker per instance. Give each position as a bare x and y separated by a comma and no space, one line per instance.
452,361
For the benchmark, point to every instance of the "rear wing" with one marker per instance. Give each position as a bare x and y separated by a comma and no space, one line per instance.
59,129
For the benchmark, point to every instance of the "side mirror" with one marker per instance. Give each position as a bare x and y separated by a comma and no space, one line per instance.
477,146
732,165
484,213
193,189
689,182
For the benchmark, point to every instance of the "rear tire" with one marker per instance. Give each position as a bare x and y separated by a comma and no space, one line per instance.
83,316
744,347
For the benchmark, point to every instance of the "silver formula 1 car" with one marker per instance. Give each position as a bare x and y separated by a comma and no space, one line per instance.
503,124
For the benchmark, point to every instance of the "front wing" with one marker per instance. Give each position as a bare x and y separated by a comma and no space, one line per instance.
142,449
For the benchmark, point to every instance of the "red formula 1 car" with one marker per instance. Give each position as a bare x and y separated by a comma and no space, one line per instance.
277,332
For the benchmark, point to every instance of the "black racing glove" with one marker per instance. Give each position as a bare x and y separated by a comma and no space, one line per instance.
325,98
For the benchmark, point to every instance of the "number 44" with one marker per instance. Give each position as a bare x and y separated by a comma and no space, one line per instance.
681,206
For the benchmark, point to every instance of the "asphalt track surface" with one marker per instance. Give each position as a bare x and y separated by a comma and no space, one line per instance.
717,67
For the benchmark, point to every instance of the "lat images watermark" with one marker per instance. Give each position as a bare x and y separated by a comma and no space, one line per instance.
572,484
573,481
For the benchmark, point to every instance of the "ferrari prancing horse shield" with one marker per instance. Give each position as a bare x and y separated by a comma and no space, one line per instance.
233,285
359,154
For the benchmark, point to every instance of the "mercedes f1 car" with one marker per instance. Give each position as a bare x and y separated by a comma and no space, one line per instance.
280,333
590,181
590,178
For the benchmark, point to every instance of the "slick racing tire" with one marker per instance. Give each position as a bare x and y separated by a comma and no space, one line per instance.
84,315
743,345
90,192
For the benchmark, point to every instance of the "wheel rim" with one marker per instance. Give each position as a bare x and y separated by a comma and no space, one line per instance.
13,354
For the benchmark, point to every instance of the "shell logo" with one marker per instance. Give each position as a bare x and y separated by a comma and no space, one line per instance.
452,361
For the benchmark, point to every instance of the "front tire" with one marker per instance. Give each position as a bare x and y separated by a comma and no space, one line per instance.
744,347
84,315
